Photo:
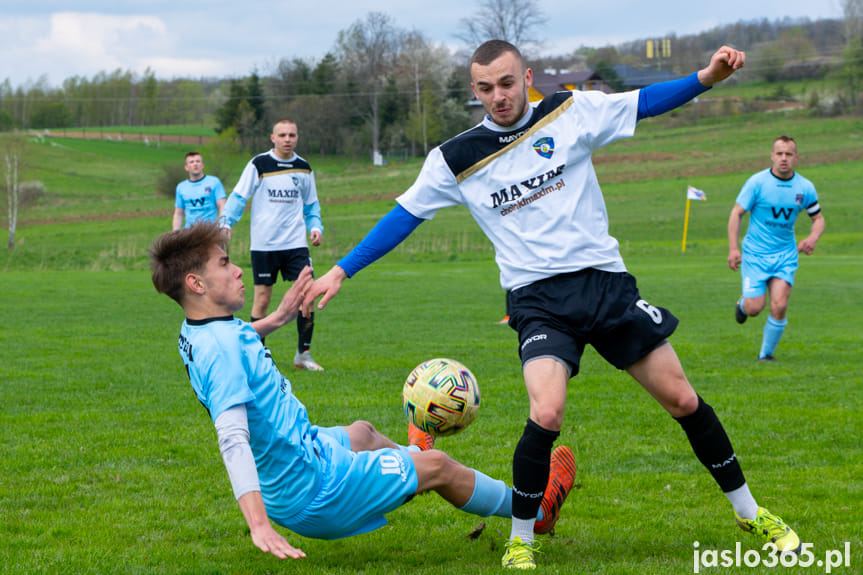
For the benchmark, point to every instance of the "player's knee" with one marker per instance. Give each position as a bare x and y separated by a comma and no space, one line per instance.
685,403
437,467
754,308
548,415
779,309
363,436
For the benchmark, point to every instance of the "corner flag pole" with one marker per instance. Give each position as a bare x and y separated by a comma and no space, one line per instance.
685,226
691,194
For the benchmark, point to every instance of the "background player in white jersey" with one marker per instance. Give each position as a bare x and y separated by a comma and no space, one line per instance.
324,483
774,197
201,198
526,176
285,206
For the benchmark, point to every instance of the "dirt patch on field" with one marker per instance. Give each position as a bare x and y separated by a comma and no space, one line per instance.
101,218
603,159
707,168
120,136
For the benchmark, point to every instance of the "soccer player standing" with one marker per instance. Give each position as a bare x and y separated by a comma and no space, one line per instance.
285,206
525,174
201,198
774,197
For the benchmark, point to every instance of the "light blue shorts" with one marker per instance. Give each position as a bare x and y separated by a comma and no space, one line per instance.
755,271
357,489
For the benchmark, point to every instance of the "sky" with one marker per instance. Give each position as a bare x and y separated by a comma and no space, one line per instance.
51,40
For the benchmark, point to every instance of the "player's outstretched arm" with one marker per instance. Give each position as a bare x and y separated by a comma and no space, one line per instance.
288,308
264,536
723,63
326,287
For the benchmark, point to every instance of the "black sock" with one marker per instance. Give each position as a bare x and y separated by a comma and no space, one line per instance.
712,446
305,328
530,469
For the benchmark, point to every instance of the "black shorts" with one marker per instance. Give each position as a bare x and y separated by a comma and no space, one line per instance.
267,265
558,316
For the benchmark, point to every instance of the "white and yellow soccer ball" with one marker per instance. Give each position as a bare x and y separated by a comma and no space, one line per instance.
441,397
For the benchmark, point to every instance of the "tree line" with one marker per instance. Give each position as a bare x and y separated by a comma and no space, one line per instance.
384,88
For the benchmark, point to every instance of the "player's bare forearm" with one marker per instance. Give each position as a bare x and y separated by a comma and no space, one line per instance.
326,287
723,63
264,536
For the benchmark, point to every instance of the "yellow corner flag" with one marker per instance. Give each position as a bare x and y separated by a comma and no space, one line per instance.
691,194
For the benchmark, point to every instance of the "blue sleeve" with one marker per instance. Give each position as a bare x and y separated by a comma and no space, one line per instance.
389,232
312,215
666,96
233,210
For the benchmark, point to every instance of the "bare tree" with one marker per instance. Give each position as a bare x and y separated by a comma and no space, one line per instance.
512,20
853,12
852,56
367,50
427,68
12,150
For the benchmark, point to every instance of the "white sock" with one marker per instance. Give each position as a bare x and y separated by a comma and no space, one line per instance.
523,529
743,502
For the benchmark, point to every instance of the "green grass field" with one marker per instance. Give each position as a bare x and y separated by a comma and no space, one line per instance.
110,465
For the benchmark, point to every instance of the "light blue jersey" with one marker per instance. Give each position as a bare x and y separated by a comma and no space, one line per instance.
311,482
770,247
228,365
198,199
774,205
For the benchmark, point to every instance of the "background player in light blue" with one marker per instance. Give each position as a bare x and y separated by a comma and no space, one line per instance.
324,483
773,197
200,198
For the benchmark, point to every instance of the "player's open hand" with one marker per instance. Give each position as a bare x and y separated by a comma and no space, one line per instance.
723,63
327,286
269,540
293,298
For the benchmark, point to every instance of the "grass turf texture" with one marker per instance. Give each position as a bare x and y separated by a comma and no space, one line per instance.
110,465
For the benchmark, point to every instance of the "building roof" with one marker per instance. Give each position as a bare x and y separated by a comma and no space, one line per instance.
634,78
545,84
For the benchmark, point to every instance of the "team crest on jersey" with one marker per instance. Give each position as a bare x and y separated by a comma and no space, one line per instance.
799,199
544,147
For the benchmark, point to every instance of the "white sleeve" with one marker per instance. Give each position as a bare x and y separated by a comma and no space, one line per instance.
435,187
232,427
248,182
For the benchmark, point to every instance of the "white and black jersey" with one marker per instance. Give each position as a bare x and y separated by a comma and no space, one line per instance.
532,188
279,190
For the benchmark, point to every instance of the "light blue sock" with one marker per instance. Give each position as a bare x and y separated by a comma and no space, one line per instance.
773,330
490,497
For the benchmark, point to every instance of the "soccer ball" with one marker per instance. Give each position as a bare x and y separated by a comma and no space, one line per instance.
441,397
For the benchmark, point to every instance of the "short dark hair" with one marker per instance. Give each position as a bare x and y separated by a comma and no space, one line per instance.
190,154
286,121
491,50
786,139
180,252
